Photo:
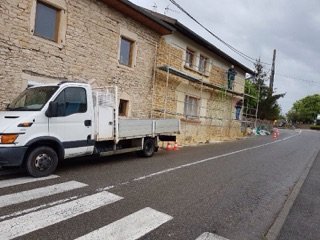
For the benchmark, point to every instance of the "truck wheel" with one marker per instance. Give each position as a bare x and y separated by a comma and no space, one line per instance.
41,161
148,147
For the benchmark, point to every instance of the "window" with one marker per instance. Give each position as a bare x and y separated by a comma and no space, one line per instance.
126,51
32,99
203,64
189,57
47,21
72,100
123,107
191,107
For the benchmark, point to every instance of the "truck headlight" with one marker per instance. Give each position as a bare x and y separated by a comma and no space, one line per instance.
8,138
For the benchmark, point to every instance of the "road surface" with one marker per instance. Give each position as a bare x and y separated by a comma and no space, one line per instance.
234,190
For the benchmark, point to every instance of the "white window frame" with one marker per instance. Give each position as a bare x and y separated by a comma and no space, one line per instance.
190,62
191,107
203,69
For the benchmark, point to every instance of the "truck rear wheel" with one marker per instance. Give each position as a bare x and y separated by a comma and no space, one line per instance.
41,161
148,147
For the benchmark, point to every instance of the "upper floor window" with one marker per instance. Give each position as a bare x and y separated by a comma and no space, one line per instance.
71,100
47,21
126,51
189,57
191,105
203,62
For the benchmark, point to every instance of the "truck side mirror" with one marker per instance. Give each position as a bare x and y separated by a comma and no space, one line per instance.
52,110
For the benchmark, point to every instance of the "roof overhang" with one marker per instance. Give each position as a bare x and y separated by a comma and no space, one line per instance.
140,15
178,27
195,37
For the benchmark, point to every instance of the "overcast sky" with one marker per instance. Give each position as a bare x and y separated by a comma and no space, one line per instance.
292,27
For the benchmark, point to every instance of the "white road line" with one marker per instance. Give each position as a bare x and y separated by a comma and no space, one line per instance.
25,211
22,225
25,196
210,159
197,162
210,236
131,227
23,180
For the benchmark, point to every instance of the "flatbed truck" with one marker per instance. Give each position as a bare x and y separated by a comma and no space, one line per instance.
49,123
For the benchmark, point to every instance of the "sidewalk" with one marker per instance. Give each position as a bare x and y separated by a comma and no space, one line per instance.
303,221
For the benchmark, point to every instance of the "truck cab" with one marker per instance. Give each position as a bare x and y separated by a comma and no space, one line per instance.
47,123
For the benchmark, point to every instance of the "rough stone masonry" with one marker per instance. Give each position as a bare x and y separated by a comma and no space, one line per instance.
90,51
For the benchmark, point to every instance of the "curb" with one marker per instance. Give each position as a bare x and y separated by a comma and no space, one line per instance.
277,225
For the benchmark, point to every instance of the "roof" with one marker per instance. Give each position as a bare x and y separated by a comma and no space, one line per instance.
198,39
140,15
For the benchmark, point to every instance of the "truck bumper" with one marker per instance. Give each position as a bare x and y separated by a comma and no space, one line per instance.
12,156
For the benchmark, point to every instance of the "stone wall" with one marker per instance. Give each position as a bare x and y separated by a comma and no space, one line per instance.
216,121
90,51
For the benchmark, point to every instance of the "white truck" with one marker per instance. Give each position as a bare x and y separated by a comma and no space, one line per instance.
48,123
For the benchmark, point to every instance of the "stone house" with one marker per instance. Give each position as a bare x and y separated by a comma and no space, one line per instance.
162,68
191,84
105,42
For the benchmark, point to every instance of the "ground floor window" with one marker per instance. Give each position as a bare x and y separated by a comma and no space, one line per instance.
123,108
191,106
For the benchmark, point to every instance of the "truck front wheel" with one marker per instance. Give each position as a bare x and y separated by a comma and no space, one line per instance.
148,147
41,161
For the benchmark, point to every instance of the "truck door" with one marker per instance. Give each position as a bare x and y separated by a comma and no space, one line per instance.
73,125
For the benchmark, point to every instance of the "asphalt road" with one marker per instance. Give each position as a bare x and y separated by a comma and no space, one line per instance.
302,222
232,189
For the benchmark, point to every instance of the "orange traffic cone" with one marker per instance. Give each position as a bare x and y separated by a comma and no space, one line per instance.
274,135
175,147
169,147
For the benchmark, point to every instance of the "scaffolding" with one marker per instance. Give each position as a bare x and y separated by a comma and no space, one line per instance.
215,114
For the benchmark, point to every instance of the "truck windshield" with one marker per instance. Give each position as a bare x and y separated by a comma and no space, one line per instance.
32,99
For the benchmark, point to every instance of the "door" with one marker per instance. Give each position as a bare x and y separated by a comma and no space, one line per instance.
73,125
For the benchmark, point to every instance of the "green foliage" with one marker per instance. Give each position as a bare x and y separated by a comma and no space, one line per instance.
268,107
305,110
315,127
250,102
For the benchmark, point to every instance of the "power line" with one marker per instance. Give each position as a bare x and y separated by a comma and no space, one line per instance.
296,78
243,55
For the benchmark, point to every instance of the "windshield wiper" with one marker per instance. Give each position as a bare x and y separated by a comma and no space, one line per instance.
17,109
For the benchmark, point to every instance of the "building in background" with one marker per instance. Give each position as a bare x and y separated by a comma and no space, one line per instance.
191,83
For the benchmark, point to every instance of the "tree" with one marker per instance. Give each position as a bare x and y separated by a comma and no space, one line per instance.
251,99
268,107
305,110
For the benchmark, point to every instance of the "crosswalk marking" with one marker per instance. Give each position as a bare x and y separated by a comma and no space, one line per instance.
23,180
25,211
210,236
131,227
25,196
22,225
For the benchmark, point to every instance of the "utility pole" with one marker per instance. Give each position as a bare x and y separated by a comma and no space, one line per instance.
272,70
